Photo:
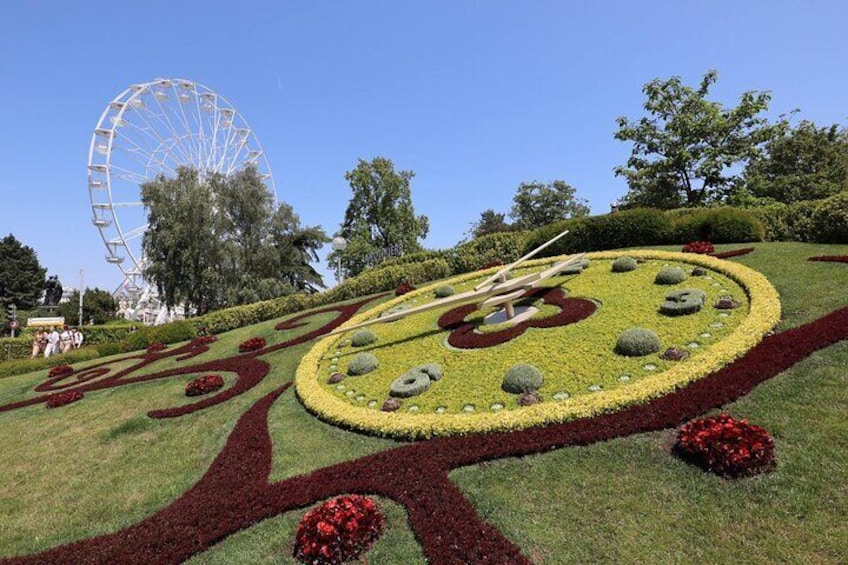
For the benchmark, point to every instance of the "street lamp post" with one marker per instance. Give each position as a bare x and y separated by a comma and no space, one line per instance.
339,244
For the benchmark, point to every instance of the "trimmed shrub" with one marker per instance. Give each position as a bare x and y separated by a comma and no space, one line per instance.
107,349
502,246
204,385
417,257
727,447
670,275
444,291
63,398
411,383
522,378
637,342
624,264
363,337
718,225
362,363
787,223
20,366
338,531
683,302
433,370
830,219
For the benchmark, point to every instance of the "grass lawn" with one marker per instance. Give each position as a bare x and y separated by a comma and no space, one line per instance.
101,464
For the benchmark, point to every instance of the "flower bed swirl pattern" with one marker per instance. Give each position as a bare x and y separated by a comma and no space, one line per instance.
444,521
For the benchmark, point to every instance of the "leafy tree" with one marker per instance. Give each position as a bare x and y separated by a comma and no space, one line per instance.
21,274
379,215
805,163
489,222
217,241
97,304
536,204
683,150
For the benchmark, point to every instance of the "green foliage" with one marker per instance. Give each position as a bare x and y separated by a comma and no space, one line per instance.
636,342
805,163
97,304
21,274
444,291
20,366
683,302
172,332
237,251
472,255
107,349
683,148
411,383
830,219
522,378
630,228
490,222
379,215
362,363
388,278
783,222
624,264
717,225
363,337
432,370
670,275
416,257
536,204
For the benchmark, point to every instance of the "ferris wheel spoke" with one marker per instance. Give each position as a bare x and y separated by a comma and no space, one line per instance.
185,150
183,99
231,137
146,160
171,139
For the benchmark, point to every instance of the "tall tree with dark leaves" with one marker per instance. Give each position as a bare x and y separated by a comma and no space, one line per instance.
296,247
379,215
685,148
21,275
97,304
490,222
537,204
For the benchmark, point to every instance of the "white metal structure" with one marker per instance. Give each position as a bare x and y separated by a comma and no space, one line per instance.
152,129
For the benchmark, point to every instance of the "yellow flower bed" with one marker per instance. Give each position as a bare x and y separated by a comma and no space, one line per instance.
582,374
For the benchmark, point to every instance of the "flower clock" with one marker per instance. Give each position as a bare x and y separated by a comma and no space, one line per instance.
727,447
568,331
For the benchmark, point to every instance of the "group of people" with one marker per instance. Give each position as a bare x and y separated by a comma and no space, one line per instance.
54,342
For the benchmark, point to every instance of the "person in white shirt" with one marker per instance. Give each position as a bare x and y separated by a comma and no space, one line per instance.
78,338
52,343
66,339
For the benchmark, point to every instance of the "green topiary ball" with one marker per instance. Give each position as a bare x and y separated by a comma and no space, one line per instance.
624,264
362,363
670,275
363,337
433,370
637,342
444,291
682,302
522,378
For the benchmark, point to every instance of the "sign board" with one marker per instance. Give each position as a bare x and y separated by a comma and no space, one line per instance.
45,322
13,324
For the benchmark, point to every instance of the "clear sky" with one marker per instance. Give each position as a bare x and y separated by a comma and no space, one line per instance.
474,97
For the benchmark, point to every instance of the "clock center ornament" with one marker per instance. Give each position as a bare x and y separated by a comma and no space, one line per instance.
536,342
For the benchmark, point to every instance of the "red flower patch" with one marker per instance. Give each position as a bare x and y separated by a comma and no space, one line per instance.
63,398
156,347
702,247
252,344
60,371
203,340
204,385
339,530
403,289
727,447
830,258
733,253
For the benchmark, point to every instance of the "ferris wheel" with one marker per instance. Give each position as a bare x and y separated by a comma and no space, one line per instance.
153,129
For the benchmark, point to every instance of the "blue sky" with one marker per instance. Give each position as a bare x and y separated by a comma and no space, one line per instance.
475,97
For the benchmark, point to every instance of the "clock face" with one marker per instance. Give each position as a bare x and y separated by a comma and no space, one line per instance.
444,371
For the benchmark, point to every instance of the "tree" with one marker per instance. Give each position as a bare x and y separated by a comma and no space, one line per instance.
97,304
217,241
536,204
21,274
379,215
805,163
489,222
683,149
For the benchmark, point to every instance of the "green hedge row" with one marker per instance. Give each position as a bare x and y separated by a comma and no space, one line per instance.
817,221
21,366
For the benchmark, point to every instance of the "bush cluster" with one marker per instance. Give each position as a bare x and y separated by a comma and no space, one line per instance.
505,247
725,446
338,531
637,342
145,336
63,398
522,378
718,225
670,275
624,264
362,363
415,381
683,302
363,337
444,291
820,221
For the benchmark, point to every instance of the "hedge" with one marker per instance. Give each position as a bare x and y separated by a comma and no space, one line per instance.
21,366
717,225
472,255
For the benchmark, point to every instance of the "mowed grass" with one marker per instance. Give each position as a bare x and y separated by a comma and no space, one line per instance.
102,464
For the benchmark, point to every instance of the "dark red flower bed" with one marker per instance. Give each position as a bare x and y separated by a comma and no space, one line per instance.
156,347
339,530
830,258
702,247
463,335
204,340
62,398
491,264
252,344
727,447
734,253
60,371
204,385
403,289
